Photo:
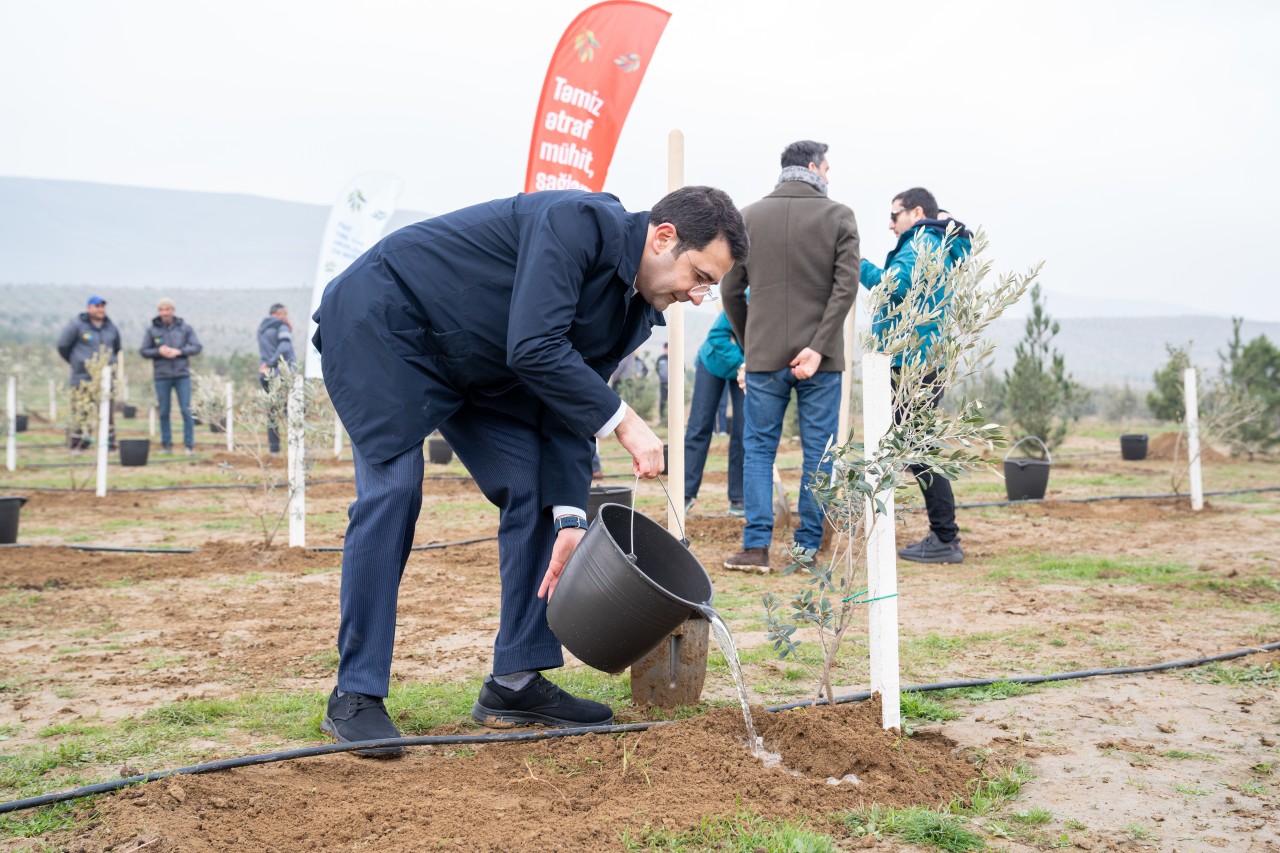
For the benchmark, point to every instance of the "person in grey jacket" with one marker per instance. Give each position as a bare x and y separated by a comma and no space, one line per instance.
82,339
803,275
170,342
275,344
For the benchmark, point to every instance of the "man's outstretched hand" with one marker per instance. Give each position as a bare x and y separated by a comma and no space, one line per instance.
642,443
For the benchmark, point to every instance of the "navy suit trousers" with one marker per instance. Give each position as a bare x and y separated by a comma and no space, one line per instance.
503,456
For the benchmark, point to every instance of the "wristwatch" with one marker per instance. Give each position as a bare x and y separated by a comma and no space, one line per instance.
569,521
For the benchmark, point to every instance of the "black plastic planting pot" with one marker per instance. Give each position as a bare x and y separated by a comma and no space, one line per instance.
1026,479
19,423
134,451
10,507
129,412
601,495
1133,447
438,451
610,610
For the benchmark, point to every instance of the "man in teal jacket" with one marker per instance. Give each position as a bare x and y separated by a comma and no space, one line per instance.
914,218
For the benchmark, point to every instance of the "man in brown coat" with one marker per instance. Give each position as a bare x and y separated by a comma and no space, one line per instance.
803,276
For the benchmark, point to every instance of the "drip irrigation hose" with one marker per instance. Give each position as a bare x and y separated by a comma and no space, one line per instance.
130,550
217,486
1094,499
509,737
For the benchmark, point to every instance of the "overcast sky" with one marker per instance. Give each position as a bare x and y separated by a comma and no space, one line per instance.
1132,146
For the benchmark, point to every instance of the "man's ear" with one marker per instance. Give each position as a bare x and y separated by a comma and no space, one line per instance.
664,237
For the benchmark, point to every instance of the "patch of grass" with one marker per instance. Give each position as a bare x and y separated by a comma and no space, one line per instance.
1182,754
1138,832
926,827
1263,769
327,570
327,660
1033,816
744,832
1074,825
920,706
1217,673
247,579
988,692
35,822
1033,565
1189,790
10,601
992,792
1255,789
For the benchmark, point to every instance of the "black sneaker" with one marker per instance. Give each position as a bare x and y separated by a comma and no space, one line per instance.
931,549
355,717
539,702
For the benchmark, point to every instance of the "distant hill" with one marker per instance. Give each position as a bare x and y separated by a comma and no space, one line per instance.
104,236
225,258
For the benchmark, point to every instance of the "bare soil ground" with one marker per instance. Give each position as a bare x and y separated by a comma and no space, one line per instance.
1166,761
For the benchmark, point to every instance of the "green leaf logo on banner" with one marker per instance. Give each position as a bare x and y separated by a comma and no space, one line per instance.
356,200
585,45
628,61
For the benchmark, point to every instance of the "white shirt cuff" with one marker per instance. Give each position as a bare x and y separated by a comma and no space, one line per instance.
563,509
612,424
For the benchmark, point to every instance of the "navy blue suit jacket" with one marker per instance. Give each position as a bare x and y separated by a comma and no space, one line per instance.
524,305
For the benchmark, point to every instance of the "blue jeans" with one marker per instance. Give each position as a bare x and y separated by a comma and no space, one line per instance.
818,403
708,389
181,384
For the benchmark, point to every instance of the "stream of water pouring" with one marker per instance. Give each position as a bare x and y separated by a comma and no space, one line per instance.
725,639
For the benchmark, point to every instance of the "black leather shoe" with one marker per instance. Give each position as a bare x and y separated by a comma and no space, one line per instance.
354,717
540,702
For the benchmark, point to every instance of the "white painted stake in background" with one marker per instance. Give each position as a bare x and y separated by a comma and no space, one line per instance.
151,421
53,403
846,382
337,436
124,377
297,467
882,556
231,409
1193,436
675,365
11,415
104,431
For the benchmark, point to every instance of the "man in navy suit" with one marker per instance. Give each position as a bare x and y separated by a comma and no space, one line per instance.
499,324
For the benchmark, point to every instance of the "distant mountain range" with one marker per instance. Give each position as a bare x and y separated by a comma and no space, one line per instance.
226,257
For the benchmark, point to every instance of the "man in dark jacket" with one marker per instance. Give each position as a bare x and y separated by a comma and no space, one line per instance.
499,324
83,338
803,276
275,345
169,342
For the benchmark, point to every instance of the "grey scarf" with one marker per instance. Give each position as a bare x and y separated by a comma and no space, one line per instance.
802,173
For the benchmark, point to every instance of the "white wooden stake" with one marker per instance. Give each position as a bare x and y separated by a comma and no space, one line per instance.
53,403
297,467
337,436
1193,436
882,556
104,431
124,377
151,421
675,364
11,415
231,408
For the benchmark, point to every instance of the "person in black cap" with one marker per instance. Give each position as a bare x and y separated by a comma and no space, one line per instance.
83,338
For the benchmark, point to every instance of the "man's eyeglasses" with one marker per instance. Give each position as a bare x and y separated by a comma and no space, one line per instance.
894,214
703,290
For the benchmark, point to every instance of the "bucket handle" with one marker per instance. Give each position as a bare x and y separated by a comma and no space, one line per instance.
1047,457
635,491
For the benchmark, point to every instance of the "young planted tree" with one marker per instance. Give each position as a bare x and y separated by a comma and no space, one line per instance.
1251,374
1039,395
84,414
1165,400
950,445
268,501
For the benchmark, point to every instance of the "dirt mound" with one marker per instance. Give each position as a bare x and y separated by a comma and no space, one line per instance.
1168,446
578,793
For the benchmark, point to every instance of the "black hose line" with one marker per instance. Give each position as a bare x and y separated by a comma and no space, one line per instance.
1096,498
508,737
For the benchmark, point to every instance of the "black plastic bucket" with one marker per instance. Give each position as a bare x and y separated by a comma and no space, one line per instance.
601,495
10,507
438,451
134,451
609,611
129,412
20,423
1026,479
1133,447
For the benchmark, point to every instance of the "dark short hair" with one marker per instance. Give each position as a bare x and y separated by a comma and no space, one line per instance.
700,215
919,197
803,153
275,307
